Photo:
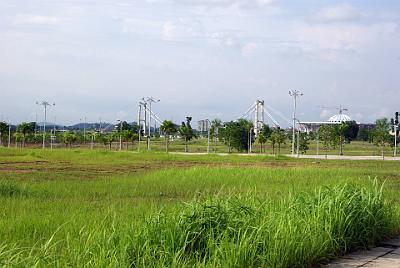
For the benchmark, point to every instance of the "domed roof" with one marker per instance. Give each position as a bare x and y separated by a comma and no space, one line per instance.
338,118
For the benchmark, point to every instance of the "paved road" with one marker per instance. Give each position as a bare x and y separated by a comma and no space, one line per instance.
322,157
349,157
387,255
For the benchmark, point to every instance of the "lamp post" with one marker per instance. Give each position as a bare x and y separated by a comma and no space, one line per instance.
150,100
45,104
395,140
295,94
9,135
249,146
120,134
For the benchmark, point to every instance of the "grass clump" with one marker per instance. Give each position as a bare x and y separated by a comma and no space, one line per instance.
299,230
11,189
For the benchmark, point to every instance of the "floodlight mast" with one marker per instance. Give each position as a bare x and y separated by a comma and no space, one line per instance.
45,104
295,94
150,100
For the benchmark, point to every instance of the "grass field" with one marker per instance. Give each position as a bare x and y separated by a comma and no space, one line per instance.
103,208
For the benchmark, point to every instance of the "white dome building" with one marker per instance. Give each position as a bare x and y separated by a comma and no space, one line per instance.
339,118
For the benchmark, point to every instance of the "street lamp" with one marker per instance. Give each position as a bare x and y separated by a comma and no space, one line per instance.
120,134
395,140
249,145
295,94
150,100
44,104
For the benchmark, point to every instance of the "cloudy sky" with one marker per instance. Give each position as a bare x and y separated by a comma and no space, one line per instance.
203,58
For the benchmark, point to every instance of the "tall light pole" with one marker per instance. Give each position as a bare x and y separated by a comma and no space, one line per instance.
44,104
395,140
150,100
120,134
249,145
9,135
295,94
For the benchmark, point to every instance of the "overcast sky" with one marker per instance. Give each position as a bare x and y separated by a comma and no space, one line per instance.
202,58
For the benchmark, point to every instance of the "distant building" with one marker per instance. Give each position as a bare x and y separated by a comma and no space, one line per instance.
333,120
203,125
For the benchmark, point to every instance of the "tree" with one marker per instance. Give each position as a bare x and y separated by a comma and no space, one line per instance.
277,137
235,134
18,137
262,140
351,131
169,129
187,132
25,128
69,138
126,136
381,134
3,131
266,131
216,124
304,142
328,137
340,131
363,134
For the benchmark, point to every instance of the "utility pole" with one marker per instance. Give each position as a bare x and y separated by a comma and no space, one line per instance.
295,94
45,104
120,134
9,135
395,140
84,130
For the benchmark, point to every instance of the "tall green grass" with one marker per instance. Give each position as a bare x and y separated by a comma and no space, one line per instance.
299,230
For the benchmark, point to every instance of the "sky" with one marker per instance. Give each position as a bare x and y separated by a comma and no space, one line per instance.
202,58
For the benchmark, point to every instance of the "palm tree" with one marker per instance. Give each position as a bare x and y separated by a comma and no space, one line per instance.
3,131
277,137
24,128
169,129
186,132
262,140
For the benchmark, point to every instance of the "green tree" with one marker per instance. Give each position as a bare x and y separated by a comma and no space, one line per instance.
235,134
109,138
363,134
381,134
187,132
69,138
18,138
169,128
279,137
266,131
25,128
3,131
327,134
340,132
351,132
261,140
304,142
126,136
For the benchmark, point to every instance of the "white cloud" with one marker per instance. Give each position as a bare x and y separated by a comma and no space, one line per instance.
24,19
249,48
332,41
182,28
228,3
324,114
343,12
